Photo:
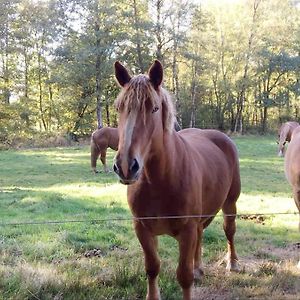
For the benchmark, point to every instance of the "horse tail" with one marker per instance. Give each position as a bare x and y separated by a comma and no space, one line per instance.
95,152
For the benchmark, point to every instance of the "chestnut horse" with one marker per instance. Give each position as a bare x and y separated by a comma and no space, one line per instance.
102,139
284,134
189,175
292,166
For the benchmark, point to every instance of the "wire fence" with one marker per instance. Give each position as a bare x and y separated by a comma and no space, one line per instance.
122,219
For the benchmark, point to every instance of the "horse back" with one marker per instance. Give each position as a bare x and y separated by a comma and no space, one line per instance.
106,137
211,143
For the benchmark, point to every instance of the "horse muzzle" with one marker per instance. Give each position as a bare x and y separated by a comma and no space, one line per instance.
128,171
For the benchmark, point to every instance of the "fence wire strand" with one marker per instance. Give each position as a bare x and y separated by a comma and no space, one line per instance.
121,219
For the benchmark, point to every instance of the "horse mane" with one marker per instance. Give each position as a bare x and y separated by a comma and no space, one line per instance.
139,95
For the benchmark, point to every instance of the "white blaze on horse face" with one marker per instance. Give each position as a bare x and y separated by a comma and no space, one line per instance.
128,132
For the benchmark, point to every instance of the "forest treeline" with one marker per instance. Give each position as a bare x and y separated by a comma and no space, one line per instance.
231,65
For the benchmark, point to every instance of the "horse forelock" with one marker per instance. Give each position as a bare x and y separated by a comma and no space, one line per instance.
139,93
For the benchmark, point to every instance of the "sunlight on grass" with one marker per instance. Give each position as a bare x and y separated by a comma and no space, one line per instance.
90,190
115,192
266,203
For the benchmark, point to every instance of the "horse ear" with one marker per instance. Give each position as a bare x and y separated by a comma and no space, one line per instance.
121,74
156,74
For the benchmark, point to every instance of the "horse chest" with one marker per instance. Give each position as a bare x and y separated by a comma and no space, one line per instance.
154,203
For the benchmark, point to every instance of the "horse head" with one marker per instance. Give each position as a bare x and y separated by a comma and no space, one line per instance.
145,112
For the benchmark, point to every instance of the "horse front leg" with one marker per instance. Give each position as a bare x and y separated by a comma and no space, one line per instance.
296,193
198,271
152,264
187,246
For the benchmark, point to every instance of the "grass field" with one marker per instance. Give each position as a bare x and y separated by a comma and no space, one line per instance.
103,260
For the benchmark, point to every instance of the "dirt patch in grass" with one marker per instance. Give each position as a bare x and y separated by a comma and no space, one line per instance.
290,251
270,273
210,294
254,218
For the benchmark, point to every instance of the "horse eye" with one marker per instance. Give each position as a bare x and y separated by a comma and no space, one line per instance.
155,109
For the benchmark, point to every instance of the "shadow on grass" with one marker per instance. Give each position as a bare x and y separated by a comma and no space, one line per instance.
43,168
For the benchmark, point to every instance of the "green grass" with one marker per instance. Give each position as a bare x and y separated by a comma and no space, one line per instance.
50,261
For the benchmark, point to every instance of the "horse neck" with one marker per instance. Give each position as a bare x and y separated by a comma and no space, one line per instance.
163,157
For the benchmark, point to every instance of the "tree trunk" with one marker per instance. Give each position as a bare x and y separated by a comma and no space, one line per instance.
107,112
158,31
138,38
98,76
50,106
5,58
193,97
238,126
41,91
26,80
264,120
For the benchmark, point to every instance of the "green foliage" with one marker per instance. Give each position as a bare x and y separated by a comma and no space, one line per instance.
233,68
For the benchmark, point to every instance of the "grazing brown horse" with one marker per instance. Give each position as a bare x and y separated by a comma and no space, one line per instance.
292,166
284,134
185,174
102,139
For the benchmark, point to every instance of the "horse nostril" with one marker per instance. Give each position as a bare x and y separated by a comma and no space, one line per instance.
134,167
116,169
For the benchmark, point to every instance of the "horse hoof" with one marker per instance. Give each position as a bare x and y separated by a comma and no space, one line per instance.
232,266
198,274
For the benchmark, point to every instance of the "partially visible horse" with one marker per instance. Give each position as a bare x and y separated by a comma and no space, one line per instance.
178,180
102,139
284,135
292,166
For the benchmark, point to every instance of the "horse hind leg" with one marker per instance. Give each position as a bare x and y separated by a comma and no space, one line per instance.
94,156
296,193
103,160
229,226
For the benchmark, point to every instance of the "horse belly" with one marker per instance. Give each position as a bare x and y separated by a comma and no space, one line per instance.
165,226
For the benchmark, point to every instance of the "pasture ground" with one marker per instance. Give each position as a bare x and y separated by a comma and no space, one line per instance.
103,260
